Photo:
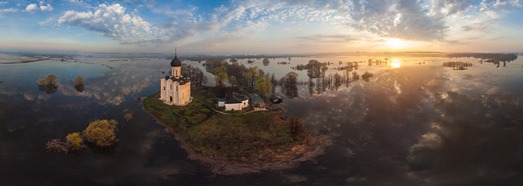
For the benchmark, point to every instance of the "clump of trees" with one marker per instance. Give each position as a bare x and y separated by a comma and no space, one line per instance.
220,75
264,85
75,141
101,133
197,77
239,75
49,84
57,145
315,69
79,83
289,84
366,76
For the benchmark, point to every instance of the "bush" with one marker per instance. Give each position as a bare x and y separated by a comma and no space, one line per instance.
101,132
79,83
49,80
57,145
75,141
128,117
49,84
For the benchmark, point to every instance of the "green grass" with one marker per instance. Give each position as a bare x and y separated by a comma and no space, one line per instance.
223,136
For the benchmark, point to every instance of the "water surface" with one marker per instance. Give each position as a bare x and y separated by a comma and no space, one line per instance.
415,122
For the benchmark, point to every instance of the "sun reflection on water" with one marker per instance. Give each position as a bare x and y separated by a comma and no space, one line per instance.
395,63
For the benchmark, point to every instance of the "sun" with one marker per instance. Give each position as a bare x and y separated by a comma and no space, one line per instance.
395,43
395,63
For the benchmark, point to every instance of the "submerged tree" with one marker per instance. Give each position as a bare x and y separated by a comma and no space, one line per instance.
101,132
366,76
49,84
128,116
57,145
79,83
75,141
289,84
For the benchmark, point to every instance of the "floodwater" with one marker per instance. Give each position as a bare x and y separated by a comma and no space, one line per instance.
415,122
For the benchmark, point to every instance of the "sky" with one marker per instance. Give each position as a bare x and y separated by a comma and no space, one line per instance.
262,26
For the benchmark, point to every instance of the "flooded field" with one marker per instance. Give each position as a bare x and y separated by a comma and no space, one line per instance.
416,121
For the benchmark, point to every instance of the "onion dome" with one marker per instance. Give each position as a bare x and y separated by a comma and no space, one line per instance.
176,62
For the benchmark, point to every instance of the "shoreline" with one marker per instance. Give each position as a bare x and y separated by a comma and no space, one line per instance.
25,61
304,151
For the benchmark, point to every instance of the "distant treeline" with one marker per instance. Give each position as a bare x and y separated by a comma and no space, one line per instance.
487,57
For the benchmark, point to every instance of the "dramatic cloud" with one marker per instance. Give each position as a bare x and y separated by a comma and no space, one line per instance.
31,7
114,22
309,20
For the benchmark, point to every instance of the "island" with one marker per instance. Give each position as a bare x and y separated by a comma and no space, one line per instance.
230,142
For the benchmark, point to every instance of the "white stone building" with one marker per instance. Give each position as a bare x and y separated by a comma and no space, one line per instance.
175,89
235,101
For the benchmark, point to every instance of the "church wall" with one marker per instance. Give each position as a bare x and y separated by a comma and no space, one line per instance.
162,89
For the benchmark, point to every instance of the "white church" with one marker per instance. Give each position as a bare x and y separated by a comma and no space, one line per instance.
175,89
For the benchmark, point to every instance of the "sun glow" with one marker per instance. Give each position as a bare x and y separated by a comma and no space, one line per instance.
395,63
395,43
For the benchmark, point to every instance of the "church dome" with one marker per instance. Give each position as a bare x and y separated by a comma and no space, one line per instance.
176,62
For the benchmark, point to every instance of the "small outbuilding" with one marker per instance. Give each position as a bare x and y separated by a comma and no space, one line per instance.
235,101
257,101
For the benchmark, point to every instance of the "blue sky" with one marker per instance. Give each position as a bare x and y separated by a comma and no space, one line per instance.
262,27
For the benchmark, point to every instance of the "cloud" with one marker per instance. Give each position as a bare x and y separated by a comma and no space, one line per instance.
8,10
336,38
419,20
44,7
31,7
114,22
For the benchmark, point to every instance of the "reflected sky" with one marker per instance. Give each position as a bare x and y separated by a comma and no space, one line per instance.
420,124
395,63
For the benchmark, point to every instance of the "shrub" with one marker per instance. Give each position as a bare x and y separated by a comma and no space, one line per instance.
101,132
57,145
50,80
75,141
128,117
79,83
49,84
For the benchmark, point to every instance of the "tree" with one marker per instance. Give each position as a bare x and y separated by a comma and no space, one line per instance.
250,75
79,83
264,85
75,141
220,75
49,84
233,80
128,117
101,132
57,145
289,84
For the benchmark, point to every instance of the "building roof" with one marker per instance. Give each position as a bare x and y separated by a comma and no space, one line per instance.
235,98
181,80
255,98
176,62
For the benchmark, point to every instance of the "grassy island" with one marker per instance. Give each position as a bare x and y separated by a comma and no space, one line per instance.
262,139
